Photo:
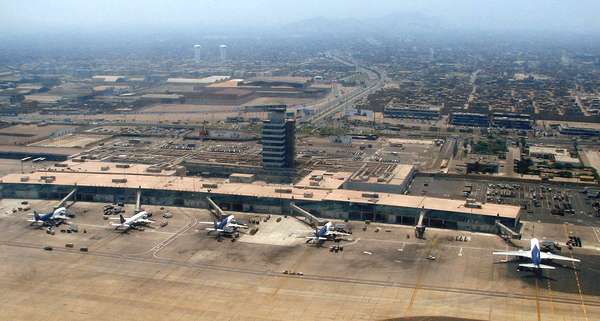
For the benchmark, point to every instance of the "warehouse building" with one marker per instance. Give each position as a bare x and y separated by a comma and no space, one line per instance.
512,121
470,119
579,131
413,112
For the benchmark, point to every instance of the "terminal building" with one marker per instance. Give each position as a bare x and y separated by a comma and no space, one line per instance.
413,112
323,194
278,139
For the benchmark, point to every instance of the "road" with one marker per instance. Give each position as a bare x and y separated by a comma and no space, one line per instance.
472,81
376,79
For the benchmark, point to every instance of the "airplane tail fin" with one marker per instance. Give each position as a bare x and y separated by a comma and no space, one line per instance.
540,266
121,218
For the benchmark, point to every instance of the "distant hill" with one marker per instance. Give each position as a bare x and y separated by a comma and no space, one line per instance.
386,25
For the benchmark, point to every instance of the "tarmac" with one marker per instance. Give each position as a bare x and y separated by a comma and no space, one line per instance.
180,272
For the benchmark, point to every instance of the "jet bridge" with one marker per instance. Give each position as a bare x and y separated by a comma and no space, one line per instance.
72,194
315,221
215,208
420,227
138,201
505,230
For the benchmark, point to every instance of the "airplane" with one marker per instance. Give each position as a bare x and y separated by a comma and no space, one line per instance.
536,256
53,218
225,226
325,233
134,222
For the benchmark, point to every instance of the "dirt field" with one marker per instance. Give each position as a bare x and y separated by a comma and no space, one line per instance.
284,101
188,108
591,158
153,118
178,272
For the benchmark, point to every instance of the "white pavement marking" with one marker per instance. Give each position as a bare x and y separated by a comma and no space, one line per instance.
460,252
402,248
353,242
596,233
108,226
423,243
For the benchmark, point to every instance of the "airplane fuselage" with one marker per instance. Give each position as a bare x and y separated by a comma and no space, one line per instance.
536,257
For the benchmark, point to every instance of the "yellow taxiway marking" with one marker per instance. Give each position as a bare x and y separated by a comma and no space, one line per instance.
583,307
417,286
537,301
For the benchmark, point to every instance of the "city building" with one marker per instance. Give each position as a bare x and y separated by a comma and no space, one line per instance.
197,81
413,112
163,98
197,53
109,79
292,82
557,154
512,120
480,164
278,139
223,52
470,119
580,131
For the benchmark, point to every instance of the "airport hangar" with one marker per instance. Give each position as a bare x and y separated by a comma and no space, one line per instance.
329,200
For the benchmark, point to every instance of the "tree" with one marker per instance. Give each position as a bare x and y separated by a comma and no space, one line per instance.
523,165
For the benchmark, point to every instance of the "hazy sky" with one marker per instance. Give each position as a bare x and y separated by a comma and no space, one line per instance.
133,15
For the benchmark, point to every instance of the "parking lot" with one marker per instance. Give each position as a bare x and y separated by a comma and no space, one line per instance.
539,202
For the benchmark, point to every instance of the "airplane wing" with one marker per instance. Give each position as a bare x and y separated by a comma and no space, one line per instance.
118,224
143,220
520,253
211,223
550,256
60,217
338,233
236,225
316,238
541,266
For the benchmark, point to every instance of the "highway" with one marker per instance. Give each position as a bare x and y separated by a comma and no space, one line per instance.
376,82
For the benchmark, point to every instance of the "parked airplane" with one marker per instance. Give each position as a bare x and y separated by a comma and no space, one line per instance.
134,222
536,256
227,226
325,233
53,218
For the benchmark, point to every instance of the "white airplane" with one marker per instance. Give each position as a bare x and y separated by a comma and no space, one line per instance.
53,218
225,226
536,256
326,233
139,219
